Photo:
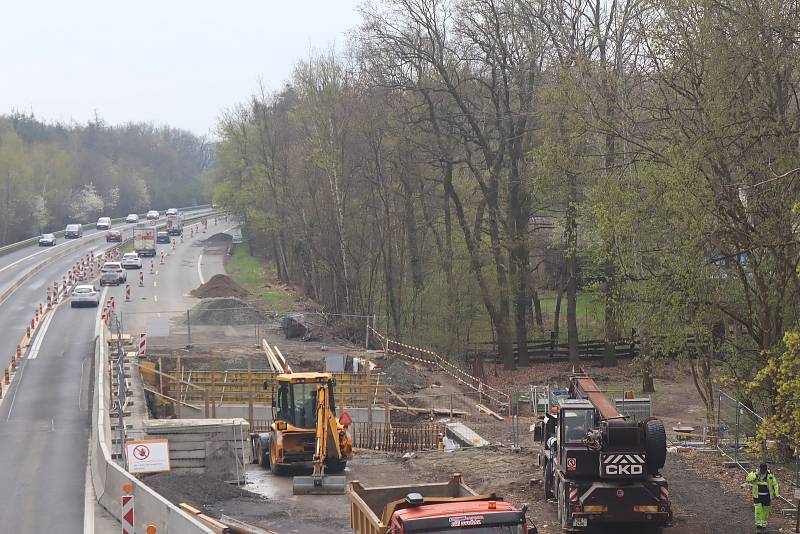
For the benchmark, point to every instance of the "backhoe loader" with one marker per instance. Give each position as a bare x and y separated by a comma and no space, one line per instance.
305,429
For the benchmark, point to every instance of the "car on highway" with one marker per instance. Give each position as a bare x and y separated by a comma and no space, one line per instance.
131,260
114,236
113,274
73,231
132,218
47,240
85,295
103,223
162,237
152,215
172,211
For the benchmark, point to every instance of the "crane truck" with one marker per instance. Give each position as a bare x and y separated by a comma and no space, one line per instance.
433,508
600,466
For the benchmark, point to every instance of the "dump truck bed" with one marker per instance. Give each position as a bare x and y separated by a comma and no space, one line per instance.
371,509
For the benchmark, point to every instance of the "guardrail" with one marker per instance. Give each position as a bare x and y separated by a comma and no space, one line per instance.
108,478
25,242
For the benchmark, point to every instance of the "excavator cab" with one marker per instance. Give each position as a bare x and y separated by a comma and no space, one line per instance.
295,402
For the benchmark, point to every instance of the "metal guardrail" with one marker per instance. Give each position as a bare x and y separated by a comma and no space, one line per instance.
88,226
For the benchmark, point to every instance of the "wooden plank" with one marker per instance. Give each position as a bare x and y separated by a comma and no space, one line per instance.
484,409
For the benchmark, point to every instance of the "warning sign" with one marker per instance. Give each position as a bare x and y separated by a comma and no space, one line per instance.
151,456
572,464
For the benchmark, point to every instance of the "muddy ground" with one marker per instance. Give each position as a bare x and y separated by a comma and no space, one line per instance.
706,497
701,505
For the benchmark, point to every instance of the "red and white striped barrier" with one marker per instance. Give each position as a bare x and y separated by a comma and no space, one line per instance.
127,516
141,279
142,352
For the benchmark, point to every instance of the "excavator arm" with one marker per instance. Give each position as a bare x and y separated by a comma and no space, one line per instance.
326,439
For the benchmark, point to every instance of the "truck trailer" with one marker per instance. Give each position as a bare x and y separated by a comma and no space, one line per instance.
433,508
144,240
601,467
174,224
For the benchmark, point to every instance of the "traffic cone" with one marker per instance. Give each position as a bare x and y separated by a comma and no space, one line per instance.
162,258
141,279
28,332
127,293
40,309
152,267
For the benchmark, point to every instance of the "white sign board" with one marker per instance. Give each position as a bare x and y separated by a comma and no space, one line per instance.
150,456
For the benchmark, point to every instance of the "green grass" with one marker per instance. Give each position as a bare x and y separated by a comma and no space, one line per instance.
253,275
127,247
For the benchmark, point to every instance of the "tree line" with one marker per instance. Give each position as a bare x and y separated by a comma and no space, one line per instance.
648,150
55,174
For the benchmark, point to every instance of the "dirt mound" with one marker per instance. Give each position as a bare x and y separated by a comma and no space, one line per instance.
221,237
224,311
220,285
402,377
195,489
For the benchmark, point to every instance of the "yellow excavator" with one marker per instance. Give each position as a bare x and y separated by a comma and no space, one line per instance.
305,429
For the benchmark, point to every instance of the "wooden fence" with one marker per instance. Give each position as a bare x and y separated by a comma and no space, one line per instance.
553,349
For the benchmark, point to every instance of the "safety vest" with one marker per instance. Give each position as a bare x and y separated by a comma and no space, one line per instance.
763,490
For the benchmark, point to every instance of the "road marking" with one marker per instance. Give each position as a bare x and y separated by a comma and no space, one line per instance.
52,425
37,344
88,498
155,298
82,406
200,270
155,284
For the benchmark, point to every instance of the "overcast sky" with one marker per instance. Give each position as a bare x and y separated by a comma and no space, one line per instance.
175,62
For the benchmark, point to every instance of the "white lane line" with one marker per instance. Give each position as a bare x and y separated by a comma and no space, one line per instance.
37,344
200,270
81,384
88,497
155,284
155,298
52,425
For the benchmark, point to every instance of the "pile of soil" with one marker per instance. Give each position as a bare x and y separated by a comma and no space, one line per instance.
224,311
197,490
401,376
221,238
220,285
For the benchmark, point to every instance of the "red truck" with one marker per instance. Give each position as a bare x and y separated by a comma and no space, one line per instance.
433,508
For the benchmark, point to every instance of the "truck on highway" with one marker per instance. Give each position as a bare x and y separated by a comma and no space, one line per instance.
601,467
144,240
434,508
175,223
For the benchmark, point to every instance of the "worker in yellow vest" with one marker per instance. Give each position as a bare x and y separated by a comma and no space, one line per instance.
765,488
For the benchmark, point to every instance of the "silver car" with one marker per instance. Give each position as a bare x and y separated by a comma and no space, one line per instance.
85,295
113,274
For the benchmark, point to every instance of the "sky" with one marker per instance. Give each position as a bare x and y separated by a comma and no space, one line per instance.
174,62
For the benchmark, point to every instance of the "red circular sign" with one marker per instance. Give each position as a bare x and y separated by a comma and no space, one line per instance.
572,463
141,452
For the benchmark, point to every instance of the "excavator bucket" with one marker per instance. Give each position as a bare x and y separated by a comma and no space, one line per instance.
328,485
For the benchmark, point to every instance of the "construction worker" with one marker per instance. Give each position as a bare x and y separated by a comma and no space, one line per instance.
765,488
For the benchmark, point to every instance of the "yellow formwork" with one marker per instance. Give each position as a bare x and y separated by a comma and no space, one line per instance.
351,389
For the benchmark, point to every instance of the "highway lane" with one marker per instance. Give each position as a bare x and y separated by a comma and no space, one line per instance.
16,263
44,429
44,419
166,294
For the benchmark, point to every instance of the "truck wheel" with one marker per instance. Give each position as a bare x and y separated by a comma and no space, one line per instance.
655,443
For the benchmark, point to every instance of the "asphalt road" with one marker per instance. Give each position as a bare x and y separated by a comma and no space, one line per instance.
44,413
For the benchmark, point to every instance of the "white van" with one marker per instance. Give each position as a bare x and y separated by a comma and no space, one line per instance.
104,223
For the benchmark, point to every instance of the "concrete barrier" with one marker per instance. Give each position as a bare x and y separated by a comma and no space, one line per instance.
108,478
